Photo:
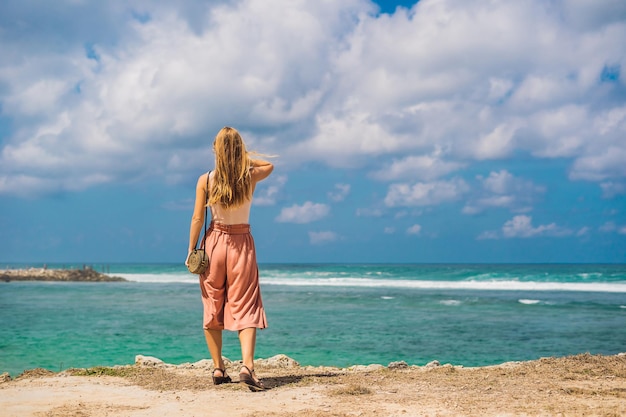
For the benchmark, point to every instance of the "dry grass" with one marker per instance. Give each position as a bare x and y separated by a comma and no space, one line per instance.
592,385
352,389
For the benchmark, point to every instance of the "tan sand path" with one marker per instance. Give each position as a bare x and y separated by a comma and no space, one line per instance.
112,396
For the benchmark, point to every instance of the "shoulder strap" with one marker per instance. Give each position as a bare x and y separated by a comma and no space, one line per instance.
206,206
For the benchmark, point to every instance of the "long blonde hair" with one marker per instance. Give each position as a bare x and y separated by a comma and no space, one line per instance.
231,182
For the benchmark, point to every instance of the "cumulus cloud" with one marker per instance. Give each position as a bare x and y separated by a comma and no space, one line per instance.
583,231
611,189
521,90
612,227
414,230
120,93
339,193
503,190
425,193
266,194
180,205
423,167
319,238
488,234
608,227
369,212
157,93
606,164
305,213
521,227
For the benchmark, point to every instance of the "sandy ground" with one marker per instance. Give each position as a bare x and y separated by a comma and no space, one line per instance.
581,385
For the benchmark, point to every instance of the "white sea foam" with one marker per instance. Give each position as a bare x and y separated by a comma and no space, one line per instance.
450,302
587,275
184,277
527,301
386,297
308,281
499,285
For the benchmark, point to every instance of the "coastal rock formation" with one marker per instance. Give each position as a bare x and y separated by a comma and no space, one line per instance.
398,365
276,362
141,360
44,274
280,361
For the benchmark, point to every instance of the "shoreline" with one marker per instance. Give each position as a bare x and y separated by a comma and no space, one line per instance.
582,384
87,274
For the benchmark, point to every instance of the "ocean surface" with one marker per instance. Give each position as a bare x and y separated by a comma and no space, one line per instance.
337,315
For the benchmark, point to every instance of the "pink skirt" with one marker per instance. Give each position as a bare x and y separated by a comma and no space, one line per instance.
231,295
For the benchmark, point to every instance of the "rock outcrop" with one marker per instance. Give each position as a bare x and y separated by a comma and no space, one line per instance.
43,274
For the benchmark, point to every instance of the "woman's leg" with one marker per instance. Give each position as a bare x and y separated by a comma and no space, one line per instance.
212,287
214,342
247,339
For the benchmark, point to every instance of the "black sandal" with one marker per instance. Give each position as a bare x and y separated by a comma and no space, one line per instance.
224,379
249,380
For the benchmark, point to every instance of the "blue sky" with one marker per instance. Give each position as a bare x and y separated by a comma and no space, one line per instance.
440,131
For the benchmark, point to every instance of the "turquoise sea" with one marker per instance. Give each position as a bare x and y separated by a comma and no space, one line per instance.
337,315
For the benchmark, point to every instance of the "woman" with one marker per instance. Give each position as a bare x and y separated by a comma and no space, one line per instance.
231,295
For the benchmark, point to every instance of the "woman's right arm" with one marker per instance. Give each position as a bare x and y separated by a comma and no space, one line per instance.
197,220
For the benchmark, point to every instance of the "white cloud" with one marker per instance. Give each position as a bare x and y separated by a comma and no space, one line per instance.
340,192
121,93
319,238
389,230
369,212
422,167
401,214
559,132
611,227
608,227
585,14
488,234
414,230
532,83
607,164
306,213
611,189
266,194
502,189
181,205
521,227
603,150
158,90
499,182
425,193
352,138
497,143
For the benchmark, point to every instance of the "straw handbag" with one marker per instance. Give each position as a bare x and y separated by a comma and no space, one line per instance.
198,261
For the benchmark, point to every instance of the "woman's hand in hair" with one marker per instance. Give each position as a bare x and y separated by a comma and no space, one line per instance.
260,169
259,163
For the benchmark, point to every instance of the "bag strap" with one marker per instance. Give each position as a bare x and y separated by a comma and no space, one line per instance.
206,208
